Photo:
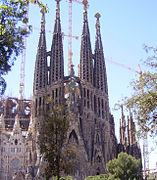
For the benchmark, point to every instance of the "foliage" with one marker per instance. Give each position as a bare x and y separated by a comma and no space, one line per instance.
124,167
64,178
144,100
152,176
98,177
13,28
53,129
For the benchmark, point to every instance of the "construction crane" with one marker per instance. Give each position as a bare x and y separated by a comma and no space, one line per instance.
70,54
125,66
23,57
23,61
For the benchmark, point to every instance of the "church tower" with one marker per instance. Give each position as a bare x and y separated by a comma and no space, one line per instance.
56,69
40,73
86,65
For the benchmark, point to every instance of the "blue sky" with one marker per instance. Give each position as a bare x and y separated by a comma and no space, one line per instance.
125,27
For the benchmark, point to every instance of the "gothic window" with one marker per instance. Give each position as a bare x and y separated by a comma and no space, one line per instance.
48,61
3,149
84,102
97,138
88,104
52,94
13,110
43,102
48,77
56,92
99,107
102,103
16,141
98,159
27,110
60,91
39,101
47,107
12,149
87,93
97,171
95,105
36,106
103,114
84,92
106,109
91,101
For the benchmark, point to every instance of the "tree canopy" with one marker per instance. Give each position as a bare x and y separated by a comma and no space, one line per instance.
98,177
53,129
13,16
124,167
143,102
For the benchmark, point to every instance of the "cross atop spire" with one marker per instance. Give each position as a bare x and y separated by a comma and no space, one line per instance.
97,15
43,19
57,8
85,19
58,1
57,22
85,2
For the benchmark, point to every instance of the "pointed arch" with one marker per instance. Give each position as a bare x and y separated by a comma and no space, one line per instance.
73,137
98,171
15,163
98,159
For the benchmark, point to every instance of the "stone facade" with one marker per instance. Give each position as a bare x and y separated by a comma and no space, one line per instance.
14,150
92,129
12,106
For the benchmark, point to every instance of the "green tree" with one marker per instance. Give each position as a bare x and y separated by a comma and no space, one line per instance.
13,15
60,158
124,167
98,177
143,102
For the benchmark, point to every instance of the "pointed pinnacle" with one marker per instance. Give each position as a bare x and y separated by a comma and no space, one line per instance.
85,2
97,15
58,1
43,10
43,20
57,8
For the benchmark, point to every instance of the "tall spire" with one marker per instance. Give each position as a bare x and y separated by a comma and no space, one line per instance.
131,130
56,59
2,123
122,128
86,65
40,75
100,80
16,127
86,29
57,23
